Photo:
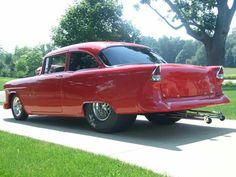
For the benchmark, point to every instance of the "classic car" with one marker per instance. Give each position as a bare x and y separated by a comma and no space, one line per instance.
110,83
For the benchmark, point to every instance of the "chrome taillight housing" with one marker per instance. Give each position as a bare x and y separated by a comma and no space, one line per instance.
220,73
156,74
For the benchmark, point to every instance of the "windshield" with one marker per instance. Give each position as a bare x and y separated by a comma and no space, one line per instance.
125,55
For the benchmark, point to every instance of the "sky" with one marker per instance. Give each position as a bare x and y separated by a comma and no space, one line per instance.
30,22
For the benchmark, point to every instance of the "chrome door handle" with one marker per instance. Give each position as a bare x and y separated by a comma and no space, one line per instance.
59,76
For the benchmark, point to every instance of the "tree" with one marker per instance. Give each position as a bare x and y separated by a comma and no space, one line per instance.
94,20
27,60
234,55
231,49
207,21
21,67
6,63
24,61
45,48
199,58
150,42
169,47
189,49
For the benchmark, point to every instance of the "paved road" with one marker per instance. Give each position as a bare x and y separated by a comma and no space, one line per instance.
2,96
233,81
186,149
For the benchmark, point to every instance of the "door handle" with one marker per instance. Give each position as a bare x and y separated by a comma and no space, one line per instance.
59,76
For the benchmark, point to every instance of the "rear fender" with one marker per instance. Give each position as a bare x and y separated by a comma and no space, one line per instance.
213,70
83,113
129,87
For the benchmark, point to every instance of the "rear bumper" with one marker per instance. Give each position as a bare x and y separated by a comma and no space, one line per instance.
179,104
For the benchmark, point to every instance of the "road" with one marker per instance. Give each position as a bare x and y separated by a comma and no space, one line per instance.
2,96
186,149
232,81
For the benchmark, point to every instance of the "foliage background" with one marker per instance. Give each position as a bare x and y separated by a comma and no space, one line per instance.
24,61
99,20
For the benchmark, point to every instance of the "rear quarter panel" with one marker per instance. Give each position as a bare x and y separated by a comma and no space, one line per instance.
122,87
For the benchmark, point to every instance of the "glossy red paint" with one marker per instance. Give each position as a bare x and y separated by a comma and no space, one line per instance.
128,88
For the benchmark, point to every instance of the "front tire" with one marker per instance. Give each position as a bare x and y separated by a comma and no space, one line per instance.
161,119
102,118
17,109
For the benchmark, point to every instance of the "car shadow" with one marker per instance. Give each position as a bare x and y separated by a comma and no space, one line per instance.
143,132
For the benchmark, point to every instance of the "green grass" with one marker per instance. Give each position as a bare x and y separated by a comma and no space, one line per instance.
26,157
229,110
230,73
3,80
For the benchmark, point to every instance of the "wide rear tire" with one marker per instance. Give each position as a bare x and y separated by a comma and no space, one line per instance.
160,119
17,109
102,118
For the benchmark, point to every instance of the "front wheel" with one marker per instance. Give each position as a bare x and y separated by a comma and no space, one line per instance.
17,109
161,119
102,118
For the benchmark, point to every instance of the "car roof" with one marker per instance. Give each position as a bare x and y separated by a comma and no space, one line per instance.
92,47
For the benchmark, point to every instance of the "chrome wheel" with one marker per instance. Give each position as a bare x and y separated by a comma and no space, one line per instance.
103,118
101,111
17,107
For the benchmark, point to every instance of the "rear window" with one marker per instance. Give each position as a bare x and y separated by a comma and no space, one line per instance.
126,55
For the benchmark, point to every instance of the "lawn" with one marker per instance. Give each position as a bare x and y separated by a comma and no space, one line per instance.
228,110
230,73
3,80
26,157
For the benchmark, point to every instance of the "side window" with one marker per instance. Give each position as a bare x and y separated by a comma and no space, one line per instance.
81,61
55,64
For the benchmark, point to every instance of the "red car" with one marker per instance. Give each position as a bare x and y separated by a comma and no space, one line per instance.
110,83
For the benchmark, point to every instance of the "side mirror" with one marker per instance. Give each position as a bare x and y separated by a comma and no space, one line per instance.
38,71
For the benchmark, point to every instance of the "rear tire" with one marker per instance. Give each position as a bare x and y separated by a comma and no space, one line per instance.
160,119
102,118
17,109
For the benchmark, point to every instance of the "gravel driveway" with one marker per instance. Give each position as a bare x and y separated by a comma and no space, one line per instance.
186,149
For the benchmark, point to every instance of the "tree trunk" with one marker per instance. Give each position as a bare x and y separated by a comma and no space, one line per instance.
215,50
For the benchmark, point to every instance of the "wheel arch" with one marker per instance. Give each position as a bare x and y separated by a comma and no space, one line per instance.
9,95
83,112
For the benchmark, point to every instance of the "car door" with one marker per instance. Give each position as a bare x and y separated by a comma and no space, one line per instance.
48,89
75,83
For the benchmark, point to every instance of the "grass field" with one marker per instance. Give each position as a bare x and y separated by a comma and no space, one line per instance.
25,157
230,73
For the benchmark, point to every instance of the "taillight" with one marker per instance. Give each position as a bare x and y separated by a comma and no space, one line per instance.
156,74
220,73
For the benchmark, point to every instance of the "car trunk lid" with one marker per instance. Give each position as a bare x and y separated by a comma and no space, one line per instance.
186,81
